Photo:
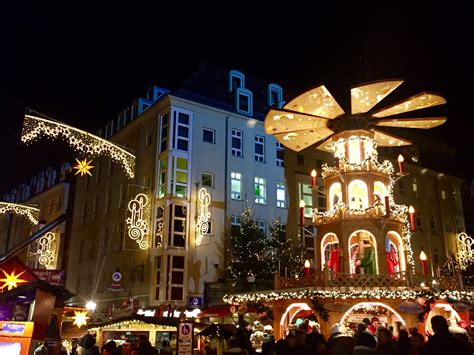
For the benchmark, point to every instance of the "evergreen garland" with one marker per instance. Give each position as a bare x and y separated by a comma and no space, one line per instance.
318,307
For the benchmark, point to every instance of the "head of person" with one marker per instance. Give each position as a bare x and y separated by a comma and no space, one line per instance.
366,321
268,329
87,341
316,328
361,327
110,346
403,334
336,329
366,339
417,340
164,343
439,324
384,336
291,340
375,322
246,325
300,336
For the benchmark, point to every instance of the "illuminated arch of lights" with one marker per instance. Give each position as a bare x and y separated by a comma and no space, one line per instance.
137,223
82,141
31,213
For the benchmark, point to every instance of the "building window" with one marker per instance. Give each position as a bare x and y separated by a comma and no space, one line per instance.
207,179
81,251
260,191
119,240
87,182
418,221
59,203
447,227
105,243
98,171
209,229
279,155
306,194
300,159
443,194
432,224
177,226
236,80
148,139
160,222
262,227
164,133
274,95
235,186
208,135
108,196
50,206
95,208
111,167
157,277
235,220
147,181
162,178
176,277
237,143
179,184
260,149
244,101
78,284
415,186
401,187
122,196
84,213
281,194
181,126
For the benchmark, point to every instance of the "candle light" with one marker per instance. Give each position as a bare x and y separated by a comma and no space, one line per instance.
400,163
411,211
302,206
307,265
313,178
423,259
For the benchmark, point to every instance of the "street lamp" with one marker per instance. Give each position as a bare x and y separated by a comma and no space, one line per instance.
302,206
91,305
423,259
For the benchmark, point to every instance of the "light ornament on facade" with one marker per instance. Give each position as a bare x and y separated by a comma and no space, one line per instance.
465,254
204,215
137,223
83,167
31,213
81,141
46,250
11,280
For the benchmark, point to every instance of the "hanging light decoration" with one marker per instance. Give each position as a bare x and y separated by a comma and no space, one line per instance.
31,213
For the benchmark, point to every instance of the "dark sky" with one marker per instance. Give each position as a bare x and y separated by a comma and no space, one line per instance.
82,63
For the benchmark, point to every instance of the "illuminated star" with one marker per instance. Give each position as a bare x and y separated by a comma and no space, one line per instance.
11,280
80,318
83,167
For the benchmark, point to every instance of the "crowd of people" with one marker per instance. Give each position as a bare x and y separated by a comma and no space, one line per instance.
307,340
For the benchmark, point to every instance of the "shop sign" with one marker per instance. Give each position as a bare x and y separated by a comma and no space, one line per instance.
12,328
52,277
195,301
116,285
185,338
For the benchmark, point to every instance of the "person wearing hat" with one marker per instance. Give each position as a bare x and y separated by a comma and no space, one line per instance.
268,346
338,341
242,335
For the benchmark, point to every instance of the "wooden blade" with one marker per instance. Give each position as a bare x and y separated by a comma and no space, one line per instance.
300,140
366,96
420,123
417,102
384,139
281,121
316,102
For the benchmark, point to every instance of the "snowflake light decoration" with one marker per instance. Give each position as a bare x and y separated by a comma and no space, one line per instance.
82,141
31,213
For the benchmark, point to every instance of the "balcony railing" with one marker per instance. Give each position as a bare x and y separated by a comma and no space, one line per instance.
398,279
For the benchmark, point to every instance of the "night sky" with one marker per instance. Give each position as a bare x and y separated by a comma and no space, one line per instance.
82,63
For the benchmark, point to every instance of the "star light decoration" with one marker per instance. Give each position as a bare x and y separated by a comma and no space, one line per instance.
83,167
80,318
12,280
36,127
31,213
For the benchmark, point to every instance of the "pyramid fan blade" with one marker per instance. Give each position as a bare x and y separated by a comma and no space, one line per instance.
325,146
388,140
366,96
417,102
316,102
280,121
300,140
421,123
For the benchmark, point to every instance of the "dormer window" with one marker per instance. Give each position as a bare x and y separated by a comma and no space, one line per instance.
236,80
244,101
274,95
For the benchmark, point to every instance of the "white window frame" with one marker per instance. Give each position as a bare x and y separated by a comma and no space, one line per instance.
236,195
236,74
170,275
259,141
279,162
271,88
213,135
235,220
244,92
262,226
176,170
175,128
171,232
162,177
281,186
262,183
307,197
212,179
163,138
238,134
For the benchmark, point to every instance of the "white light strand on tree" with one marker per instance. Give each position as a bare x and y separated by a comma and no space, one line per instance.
84,142
465,254
31,213
137,223
204,215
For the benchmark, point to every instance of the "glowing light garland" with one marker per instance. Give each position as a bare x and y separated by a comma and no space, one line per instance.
47,250
36,127
465,254
31,213
306,293
137,225
204,215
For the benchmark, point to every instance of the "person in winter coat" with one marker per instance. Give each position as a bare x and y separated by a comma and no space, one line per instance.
443,342
110,348
242,335
145,347
268,346
364,344
403,342
385,344
87,342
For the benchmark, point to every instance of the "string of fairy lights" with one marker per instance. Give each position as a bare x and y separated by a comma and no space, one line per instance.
31,213
36,127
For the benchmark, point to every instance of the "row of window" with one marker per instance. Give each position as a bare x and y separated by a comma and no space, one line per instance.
259,148
260,188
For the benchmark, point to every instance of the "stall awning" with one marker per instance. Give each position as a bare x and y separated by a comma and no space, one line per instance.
216,311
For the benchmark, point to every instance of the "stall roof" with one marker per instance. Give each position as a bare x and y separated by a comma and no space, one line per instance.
30,288
171,322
